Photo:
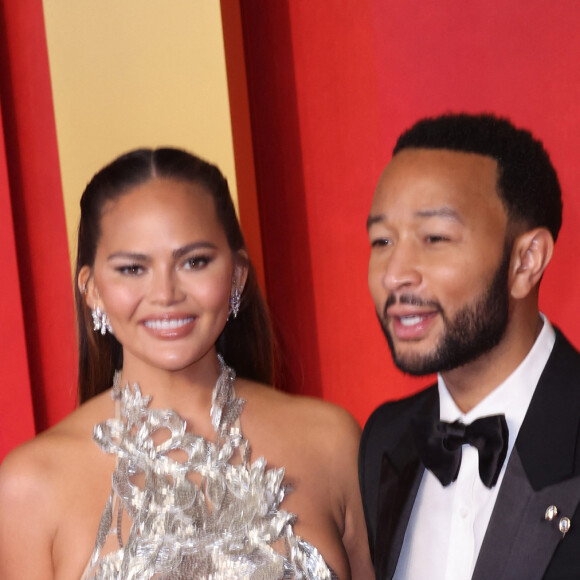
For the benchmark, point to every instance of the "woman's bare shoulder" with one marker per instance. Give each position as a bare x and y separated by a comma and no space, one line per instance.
30,469
317,443
309,407
26,513
39,482
302,419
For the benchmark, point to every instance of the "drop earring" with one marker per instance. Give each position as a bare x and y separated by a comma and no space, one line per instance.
101,321
235,299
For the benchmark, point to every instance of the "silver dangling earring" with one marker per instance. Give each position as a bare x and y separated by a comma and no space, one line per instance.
235,299
101,321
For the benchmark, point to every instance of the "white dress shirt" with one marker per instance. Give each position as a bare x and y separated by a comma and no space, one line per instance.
447,524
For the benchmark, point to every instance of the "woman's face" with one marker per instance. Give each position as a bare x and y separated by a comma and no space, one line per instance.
163,273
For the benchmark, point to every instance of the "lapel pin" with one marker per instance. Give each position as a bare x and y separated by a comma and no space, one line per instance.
551,513
564,525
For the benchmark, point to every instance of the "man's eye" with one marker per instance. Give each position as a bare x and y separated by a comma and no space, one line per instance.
380,242
435,238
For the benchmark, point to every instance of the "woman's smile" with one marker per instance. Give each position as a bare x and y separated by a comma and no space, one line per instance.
170,326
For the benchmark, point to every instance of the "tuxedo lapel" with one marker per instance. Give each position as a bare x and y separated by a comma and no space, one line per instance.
400,477
542,471
397,493
519,541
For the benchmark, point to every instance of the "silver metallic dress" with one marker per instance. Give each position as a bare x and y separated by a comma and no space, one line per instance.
201,509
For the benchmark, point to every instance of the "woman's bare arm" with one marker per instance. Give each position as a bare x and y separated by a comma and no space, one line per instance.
355,533
26,508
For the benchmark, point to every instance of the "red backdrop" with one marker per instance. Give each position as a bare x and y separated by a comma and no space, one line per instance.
331,86
37,345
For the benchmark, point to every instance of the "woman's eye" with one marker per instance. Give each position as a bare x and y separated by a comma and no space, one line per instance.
131,270
197,262
380,242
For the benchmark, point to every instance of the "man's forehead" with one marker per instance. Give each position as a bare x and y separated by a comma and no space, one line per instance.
435,182
414,158
416,167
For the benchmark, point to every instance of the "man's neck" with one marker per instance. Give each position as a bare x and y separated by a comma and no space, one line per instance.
471,383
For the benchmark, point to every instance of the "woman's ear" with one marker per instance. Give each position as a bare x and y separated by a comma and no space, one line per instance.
531,253
86,285
241,267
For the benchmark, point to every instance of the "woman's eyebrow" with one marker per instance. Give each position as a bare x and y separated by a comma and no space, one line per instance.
129,256
180,252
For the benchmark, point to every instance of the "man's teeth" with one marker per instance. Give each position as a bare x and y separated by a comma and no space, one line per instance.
167,324
410,320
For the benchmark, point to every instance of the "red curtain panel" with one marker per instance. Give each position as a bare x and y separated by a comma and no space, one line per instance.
39,285
331,86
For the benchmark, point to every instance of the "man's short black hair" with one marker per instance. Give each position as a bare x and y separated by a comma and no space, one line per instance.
527,181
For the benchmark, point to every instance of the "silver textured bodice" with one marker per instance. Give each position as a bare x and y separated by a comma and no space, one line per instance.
201,509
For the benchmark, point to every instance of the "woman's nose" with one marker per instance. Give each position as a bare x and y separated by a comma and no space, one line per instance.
165,287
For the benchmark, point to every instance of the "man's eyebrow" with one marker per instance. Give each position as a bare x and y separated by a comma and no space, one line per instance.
375,219
444,212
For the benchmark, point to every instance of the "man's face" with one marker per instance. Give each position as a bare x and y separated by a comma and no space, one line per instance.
439,265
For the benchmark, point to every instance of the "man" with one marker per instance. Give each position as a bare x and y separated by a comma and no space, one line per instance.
462,227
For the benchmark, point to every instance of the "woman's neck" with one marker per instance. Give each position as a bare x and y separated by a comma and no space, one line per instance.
189,388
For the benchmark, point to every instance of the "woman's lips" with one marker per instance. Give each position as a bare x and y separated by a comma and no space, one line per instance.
170,326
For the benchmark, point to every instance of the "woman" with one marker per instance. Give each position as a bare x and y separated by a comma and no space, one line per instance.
167,306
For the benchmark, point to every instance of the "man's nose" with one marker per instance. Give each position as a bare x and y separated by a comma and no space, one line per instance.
402,268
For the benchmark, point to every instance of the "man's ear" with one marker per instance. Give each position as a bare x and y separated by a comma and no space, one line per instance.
531,253
241,267
86,285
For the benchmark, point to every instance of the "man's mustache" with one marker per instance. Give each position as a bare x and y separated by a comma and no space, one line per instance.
411,300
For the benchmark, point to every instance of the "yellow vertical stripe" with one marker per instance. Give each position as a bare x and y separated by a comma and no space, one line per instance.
135,73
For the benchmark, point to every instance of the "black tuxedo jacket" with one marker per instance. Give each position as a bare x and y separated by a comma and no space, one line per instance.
543,470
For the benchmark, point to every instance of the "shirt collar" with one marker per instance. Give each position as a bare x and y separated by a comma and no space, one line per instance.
513,396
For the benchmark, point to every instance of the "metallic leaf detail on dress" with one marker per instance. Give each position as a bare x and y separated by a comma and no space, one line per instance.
205,517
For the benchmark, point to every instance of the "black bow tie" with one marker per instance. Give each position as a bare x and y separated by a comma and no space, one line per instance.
439,445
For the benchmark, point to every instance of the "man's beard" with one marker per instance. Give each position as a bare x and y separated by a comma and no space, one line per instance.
474,330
